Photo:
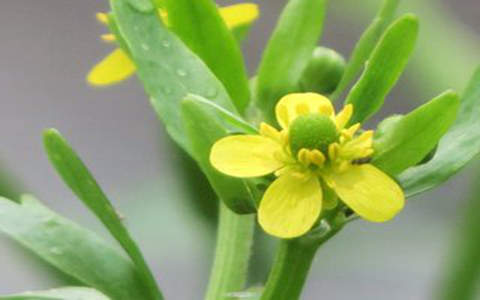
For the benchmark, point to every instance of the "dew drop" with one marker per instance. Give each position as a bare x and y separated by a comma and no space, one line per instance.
56,251
212,92
143,6
181,73
167,90
166,43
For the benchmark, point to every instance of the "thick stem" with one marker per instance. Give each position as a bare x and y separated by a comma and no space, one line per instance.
234,242
291,266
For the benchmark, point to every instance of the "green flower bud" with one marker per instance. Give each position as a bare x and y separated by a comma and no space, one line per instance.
312,131
323,72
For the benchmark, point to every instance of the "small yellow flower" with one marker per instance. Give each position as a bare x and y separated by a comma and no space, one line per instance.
117,66
314,150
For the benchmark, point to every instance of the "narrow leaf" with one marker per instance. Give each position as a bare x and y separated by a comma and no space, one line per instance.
66,293
366,44
410,139
385,66
204,129
461,270
72,249
76,175
456,148
200,26
167,68
289,50
231,122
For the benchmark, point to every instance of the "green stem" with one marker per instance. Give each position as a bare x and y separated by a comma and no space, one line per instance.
234,241
291,266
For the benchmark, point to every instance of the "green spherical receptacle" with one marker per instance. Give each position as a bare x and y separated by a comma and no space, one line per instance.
312,131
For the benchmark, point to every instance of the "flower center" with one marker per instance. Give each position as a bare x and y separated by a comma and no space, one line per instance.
312,131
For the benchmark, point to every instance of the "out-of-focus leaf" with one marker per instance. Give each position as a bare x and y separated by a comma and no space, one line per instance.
410,139
72,249
366,44
461,273
289,51
167,68
76,175
383,69
456,148
66,293
204,129
200,26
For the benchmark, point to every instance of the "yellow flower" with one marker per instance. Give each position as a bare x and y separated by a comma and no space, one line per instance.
117,66
313,151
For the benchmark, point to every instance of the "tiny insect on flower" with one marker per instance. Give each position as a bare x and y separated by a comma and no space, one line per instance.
117,66
314,148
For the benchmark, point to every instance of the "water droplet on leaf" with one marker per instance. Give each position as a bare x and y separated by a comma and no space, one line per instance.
181,73
212,92
166,43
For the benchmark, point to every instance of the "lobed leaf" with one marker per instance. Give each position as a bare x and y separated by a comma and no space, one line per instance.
412,137
289,51
200,26
456,148
166,67
365,45
76,175
383,69
66,293
204,129
72,249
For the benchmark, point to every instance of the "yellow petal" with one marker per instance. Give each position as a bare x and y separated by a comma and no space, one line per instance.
239,14
116,67
246,155
102,18
369,192
290,206
294,105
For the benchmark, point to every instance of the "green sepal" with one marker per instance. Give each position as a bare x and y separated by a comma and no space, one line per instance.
65,293
456,148
323,72
288,51
383,69
204,128
200,26
79,179
365,45
166,66
412,137
72,249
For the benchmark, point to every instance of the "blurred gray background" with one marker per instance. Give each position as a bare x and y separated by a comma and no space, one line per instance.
48,47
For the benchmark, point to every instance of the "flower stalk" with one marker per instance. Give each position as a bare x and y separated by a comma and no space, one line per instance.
292,264
232,253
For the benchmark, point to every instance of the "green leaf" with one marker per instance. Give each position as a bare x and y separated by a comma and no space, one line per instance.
167,68
72,249
413,136
385,66
204,129
76,175
66,293
365,45
231,122
200,26
461,268
289,51
456,148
